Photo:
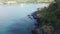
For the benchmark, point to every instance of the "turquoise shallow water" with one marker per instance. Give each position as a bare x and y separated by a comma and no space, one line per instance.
14,19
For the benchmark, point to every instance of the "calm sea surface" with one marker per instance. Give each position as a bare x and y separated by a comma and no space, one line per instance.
14,19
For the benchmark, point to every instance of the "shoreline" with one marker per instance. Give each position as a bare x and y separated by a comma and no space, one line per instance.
21,3
47,20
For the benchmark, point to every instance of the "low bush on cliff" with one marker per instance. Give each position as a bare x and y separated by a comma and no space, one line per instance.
51,15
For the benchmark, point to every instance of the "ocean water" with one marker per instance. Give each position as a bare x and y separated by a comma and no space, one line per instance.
14,19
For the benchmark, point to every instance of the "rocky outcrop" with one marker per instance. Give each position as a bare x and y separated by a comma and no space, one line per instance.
47,19
40,27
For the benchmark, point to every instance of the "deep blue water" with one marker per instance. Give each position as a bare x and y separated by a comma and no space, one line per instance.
14,19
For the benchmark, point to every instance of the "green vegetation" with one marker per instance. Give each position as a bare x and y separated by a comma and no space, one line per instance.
51,14
48,19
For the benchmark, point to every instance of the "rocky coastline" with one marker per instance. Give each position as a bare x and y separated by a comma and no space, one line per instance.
40,28
43,25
